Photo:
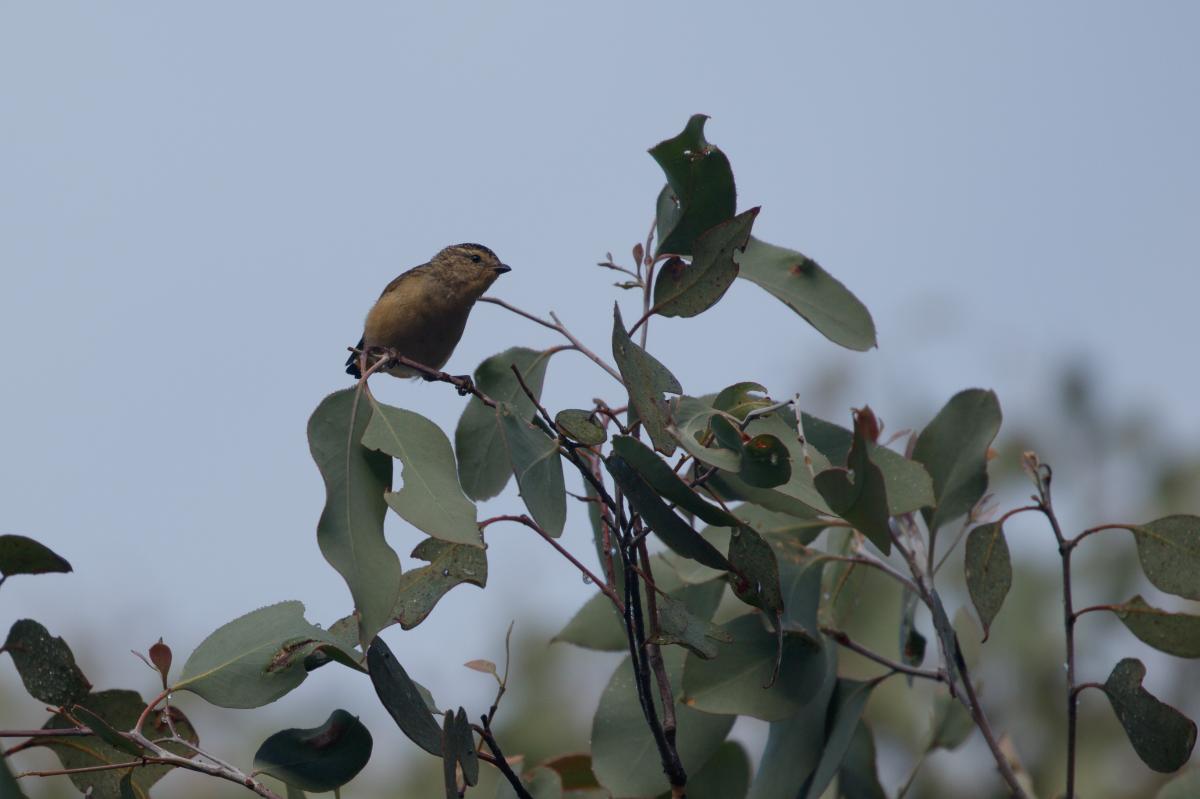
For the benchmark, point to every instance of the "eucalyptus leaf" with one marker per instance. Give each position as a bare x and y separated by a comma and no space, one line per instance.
726,775
667,483
988,571
46,665
677,625
1176,634
624,757
483,465
755,578
647,380
951,724
1162,736
1169,549
8,783
701,181
810,291
430,498
402,698
858,493
953,448
464,743
350,531
845,712
106,732
739,399
449,565
22,555
538,470
858,777
320,759
688,289
738,680
578,425
254,659
766,462
674,531
120,710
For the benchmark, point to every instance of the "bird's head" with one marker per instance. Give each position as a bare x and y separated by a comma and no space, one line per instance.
472,266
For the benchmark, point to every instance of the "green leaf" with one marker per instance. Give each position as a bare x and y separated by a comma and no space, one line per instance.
21,555
105,732
8,783
46,665
402,698
254,659
647,380
350,532
800,582
578,425
430,499
677,625
121,710
682,289
320,759
739,399
909,486
912,643
1169,549
858,493
726,775
575,771
464,744
766,462
782,425
539,471
858,778
449,756
701,181
1162,736
624,757
483,465
667,483
737,680
449,565
756,573
794,744
988,571
845,711
1176,634
953,448
730,487
674,531
810,291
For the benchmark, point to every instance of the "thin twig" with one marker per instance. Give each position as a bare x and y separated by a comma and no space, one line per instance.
560,328
485,732
653,651
846,641
537,528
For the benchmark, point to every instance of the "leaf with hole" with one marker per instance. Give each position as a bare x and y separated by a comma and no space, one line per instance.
1162,736
483,465
449,565
430,498
683,289
701,188
350,531
320,759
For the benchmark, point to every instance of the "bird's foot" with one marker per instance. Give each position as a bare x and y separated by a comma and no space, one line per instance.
464,384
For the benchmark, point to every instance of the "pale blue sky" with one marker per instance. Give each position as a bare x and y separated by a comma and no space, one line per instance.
200,202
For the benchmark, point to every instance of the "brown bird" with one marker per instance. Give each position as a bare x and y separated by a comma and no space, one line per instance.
422,314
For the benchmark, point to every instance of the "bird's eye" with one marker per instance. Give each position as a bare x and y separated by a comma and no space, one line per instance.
475,258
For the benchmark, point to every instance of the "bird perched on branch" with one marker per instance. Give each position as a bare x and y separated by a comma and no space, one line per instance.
421,314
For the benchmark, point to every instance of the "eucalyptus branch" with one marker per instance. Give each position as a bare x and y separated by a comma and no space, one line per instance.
485,732
390,358
559,327
653,651
845,640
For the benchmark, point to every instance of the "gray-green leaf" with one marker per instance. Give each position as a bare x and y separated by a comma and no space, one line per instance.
988,571
350,531
483,465
1169,549
22,555
538,468
449,565
953,448
689,289
1162,736
702,192
1176,634
430,498
46,664
647,380
320,759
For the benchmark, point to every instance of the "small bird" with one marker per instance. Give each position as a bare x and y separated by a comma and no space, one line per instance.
422,314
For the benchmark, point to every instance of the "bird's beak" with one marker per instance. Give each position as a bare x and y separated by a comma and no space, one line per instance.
502,268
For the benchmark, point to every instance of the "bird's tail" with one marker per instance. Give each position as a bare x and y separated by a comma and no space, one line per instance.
352,362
